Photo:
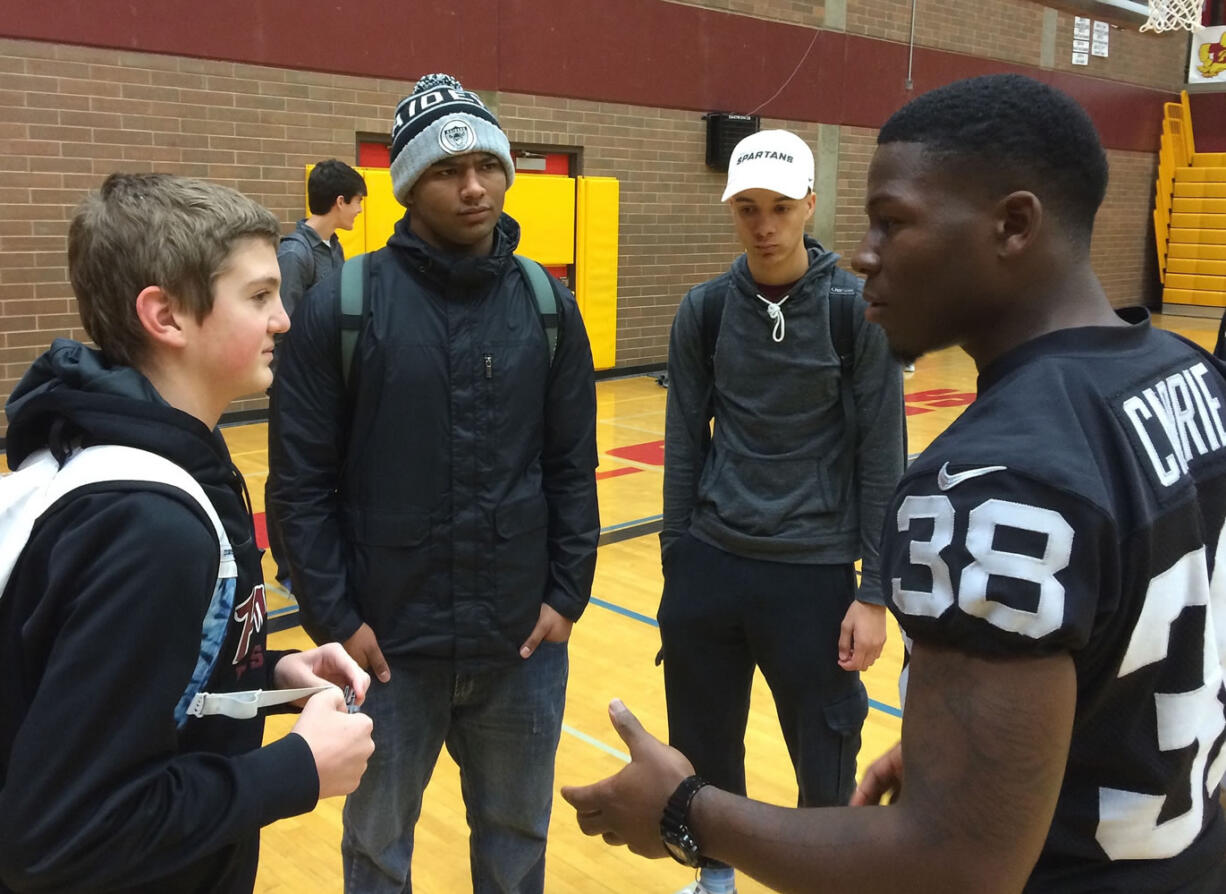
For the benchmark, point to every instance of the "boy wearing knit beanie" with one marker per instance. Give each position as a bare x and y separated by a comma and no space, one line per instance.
439,508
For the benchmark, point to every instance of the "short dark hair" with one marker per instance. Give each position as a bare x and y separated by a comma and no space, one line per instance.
330,179
1014,133
143,230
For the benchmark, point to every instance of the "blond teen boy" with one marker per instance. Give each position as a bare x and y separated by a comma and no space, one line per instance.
102,786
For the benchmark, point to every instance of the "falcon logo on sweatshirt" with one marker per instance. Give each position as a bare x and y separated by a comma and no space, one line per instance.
250,613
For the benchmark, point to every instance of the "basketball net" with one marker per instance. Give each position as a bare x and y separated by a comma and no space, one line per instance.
1171,15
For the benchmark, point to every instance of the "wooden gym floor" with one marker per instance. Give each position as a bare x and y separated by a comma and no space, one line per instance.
611,654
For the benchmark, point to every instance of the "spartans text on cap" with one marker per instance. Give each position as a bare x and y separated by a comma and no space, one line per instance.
764,153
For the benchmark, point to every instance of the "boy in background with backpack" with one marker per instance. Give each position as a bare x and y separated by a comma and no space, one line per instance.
763,520
311,252
133,594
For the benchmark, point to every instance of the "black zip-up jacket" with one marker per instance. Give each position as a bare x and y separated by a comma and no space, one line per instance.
450,489
99,634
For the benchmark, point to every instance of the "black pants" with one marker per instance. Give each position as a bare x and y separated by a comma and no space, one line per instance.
721,615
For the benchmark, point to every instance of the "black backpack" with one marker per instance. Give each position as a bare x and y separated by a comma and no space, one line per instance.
299,239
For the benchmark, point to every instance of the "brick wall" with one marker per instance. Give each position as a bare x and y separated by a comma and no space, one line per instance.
1157,60
1012,31
1123,251
796,12
69,115
856,146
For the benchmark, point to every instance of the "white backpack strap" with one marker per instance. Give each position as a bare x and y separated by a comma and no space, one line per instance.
246,705
41,482
22,501
111,462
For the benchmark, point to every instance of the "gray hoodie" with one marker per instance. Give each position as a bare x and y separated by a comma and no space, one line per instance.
771,481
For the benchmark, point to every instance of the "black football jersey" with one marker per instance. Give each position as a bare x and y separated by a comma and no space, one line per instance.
1078,506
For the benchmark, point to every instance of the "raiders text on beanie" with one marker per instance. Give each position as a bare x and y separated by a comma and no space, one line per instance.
440,118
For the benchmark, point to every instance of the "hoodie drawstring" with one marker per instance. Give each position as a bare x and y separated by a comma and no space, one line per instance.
774,310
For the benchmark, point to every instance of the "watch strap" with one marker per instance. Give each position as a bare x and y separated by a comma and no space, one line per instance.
675,821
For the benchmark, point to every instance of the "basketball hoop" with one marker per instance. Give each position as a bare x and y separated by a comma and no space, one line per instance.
1171,15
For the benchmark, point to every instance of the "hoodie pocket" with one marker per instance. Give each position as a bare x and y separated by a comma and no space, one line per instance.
761,496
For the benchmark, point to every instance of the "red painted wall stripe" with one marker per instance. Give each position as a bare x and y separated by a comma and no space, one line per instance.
644,52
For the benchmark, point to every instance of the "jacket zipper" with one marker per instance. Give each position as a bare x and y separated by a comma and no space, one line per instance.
489,365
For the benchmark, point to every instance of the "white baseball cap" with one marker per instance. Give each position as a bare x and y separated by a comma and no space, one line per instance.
777,160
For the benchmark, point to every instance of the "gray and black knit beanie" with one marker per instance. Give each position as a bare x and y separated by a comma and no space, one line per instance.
440,118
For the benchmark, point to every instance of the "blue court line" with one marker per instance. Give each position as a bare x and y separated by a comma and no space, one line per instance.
631,524
593,741
613,607
629,613
624,611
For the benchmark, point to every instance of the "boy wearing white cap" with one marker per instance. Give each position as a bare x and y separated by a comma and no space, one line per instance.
764,518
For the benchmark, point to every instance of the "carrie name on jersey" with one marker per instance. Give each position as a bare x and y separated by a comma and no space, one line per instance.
1078,506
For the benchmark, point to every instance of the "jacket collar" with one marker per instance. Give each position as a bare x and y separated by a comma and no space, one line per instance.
445,269
821,262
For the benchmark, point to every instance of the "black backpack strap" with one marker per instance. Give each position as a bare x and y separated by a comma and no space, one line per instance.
297,237
842,296
546,300
355,305
712,317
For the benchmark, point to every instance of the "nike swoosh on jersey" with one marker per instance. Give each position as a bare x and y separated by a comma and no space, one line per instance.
946,481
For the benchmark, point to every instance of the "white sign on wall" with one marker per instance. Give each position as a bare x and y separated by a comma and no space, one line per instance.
1207,61
1102,36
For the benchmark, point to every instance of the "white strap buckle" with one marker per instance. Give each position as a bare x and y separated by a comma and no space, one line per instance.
246,705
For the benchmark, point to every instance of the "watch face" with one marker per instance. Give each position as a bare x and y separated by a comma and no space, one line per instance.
676,851
681,847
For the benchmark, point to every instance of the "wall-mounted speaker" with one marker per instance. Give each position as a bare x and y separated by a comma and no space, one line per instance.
724,131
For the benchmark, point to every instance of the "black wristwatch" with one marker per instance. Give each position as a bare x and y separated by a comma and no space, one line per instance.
675,824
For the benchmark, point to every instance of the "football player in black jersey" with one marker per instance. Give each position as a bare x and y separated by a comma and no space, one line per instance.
1056,557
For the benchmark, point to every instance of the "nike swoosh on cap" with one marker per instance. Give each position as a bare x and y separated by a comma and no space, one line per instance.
946,481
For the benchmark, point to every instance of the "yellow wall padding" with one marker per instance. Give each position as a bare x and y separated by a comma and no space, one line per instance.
1196,282
1198,237
1199,221
596,266
1189,190
1187,296
381,211
550,210
1200,175
1196,267
1201,252
1182,205
544,205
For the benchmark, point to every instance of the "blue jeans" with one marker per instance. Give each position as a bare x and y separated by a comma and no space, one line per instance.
502,728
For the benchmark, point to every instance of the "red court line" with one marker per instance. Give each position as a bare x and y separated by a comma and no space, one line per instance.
261,530
617,473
